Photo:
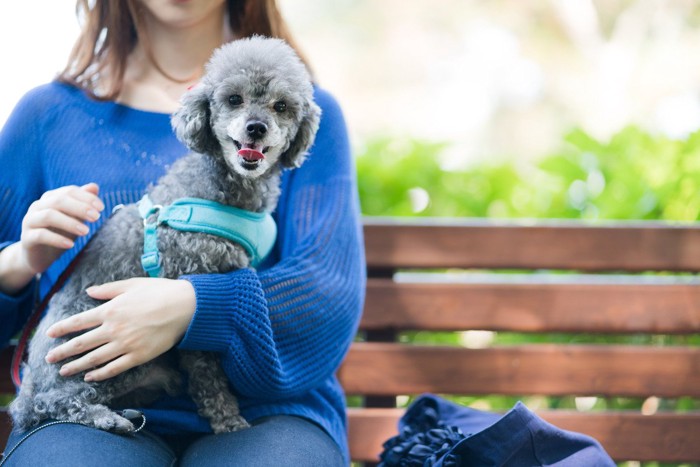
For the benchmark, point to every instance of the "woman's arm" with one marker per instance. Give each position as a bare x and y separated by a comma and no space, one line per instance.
20,184
286,329
36,227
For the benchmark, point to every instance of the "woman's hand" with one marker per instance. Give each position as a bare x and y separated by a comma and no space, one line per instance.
142,319
49,228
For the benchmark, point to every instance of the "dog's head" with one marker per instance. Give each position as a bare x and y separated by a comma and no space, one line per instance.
254,107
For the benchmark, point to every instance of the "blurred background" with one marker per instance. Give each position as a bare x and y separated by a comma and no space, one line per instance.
504,78
534,108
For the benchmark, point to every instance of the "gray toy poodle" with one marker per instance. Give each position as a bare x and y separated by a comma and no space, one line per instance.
251,116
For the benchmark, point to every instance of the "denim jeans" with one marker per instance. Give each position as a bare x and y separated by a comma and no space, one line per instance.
272,441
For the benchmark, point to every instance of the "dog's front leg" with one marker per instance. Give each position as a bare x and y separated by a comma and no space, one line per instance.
209,389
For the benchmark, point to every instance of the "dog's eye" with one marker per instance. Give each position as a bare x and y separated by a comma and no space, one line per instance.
235,100
280,106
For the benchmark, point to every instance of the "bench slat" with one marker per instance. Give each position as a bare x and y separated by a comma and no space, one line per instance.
391,368
603,308
638,246
625,436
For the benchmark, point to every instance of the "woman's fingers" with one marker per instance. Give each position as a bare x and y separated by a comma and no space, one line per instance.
72,201
78,345
52,223
111,290
80,322
101,355
91,188
47,237
86,193
54,219
113,368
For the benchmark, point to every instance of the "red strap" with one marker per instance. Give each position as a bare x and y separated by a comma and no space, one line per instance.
34,319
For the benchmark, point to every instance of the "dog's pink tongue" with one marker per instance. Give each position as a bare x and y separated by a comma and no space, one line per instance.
250,154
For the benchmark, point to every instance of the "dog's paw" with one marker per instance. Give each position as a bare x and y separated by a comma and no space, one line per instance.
112,422
229,424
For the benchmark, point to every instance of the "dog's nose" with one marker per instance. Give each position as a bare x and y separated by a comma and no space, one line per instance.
256,129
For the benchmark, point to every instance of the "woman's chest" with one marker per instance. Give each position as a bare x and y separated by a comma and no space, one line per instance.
117,155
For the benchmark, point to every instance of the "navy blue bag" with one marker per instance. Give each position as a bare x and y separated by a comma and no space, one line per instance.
437,433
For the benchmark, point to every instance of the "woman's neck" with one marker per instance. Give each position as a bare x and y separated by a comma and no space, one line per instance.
179,54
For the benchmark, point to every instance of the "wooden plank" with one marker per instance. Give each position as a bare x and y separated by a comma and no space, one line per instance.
389,369
604,308
6,386
660,437
638,246
368,429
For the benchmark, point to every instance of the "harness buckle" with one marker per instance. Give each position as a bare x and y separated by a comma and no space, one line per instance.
151,263
154,211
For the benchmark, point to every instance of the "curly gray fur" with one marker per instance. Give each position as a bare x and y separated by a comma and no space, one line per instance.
263,72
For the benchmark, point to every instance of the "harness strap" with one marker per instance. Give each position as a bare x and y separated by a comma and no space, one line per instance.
255,232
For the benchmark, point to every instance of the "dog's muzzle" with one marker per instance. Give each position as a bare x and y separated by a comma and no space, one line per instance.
251,154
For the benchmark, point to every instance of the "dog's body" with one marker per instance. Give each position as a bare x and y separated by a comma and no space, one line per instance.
242,137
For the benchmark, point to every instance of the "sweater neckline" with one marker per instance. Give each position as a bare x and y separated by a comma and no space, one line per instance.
137,111
112,106
123,109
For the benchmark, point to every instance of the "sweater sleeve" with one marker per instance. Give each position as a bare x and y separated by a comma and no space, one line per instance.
285,330
20,184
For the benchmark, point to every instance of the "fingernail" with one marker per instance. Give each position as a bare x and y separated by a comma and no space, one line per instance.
67,243
49,358
89,377
63,371
98,205
93,215
82,229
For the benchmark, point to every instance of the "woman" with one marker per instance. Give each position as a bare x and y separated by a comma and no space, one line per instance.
95,138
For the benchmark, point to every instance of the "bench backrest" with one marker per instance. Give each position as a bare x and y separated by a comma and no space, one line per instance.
583,279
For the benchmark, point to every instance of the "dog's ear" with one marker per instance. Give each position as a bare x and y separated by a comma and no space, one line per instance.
192,121
295,154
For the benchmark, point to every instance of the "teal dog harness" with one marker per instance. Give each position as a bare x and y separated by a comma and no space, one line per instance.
255,232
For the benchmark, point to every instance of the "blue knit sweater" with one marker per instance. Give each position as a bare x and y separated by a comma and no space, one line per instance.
282,330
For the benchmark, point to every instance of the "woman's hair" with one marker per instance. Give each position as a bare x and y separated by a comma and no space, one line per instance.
111,29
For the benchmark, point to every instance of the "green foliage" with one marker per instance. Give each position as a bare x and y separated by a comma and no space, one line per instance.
634,175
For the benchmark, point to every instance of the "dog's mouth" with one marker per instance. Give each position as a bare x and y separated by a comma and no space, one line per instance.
251,154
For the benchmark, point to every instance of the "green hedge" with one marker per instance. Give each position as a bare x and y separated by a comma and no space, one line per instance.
634,175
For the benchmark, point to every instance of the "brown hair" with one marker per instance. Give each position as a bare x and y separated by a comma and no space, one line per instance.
111,29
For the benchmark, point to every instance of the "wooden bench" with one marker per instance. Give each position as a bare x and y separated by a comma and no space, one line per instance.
380,368
603,293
